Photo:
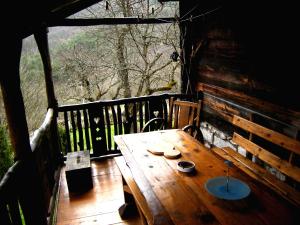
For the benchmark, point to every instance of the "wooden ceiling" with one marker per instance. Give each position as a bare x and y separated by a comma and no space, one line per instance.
30,15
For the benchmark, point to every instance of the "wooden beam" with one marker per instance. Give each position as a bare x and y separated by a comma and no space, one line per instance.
69,7
13,100
41,38
110,21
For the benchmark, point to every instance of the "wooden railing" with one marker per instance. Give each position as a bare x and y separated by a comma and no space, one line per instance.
28,189
91,126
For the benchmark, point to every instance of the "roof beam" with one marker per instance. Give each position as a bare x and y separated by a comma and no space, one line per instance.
71,7
110,21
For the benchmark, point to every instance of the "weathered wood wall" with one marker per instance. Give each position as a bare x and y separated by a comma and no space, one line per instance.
242,61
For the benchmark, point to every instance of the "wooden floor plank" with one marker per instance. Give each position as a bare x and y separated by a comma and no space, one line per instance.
98,205
107,218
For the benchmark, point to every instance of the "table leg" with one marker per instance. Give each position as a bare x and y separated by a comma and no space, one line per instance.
129,207
143,218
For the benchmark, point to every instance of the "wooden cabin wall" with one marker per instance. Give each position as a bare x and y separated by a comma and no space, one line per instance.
242,59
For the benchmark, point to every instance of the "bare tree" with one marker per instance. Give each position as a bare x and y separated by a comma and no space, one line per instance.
122,60
33,89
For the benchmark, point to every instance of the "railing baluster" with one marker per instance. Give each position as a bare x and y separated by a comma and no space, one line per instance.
96,116
133,116
69,148
128,115
115,121
108,128
4,215
103,148
147,115
14,212
86,130
165,112
127,124
79,126
120,122
140,105
74,131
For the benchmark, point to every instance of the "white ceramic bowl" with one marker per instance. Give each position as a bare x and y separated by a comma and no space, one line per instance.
185,166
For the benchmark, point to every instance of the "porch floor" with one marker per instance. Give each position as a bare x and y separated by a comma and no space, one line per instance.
100,204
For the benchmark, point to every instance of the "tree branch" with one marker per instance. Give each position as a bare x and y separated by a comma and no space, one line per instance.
160,68
168,87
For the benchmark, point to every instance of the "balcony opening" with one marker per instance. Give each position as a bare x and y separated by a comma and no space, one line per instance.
103,62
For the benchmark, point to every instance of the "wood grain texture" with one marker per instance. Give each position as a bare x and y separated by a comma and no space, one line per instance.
158,214
98,205
266,156
268,134
219,108
140,200
174,189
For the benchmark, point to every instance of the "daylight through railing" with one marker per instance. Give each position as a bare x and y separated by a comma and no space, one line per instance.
91,126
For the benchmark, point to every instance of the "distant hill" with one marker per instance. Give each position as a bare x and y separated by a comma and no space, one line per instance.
56,36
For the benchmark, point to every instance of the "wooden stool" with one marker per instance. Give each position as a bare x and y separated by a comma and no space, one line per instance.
78,171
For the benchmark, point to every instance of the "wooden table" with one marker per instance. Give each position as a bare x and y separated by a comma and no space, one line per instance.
167,196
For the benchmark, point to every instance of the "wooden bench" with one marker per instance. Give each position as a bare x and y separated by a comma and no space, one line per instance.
266,157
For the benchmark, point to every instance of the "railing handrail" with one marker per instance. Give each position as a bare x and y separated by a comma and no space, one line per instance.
63,108
24,187
35,139
39,133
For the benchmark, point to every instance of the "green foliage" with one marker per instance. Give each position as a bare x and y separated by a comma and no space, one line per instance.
31,64
6,156
83,40
63,138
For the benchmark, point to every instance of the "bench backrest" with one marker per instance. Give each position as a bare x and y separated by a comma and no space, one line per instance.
285,166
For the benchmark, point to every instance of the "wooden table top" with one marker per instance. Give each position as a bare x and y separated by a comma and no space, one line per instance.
181,198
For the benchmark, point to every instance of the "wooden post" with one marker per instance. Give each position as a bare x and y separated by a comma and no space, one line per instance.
186,44
13,101
28,182
41,38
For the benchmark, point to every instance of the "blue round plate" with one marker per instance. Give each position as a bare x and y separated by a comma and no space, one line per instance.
236,189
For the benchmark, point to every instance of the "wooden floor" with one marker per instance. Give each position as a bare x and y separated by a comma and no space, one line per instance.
100,204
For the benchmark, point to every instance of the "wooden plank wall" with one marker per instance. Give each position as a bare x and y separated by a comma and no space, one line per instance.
241,60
